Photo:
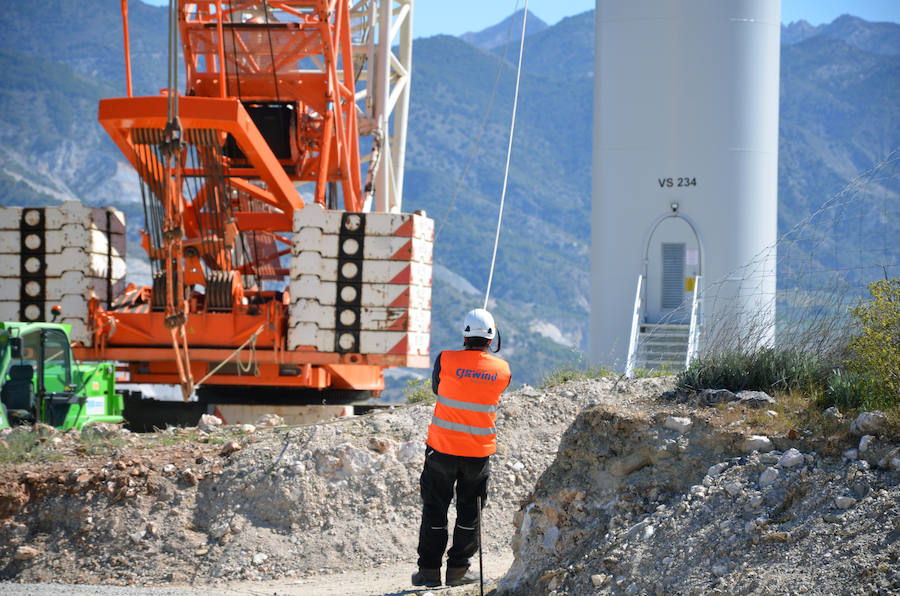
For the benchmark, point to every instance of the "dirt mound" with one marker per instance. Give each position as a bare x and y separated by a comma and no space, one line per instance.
656,501
597,486
279,503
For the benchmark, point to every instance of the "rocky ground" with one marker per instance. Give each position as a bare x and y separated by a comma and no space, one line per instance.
599,486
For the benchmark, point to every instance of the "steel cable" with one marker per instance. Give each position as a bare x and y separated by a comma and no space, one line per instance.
512,129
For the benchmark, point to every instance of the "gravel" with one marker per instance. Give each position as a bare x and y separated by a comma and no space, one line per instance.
598,486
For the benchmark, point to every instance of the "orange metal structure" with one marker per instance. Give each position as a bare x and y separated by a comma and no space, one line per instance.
268,102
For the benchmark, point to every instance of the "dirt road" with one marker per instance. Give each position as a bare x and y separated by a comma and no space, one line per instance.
387,580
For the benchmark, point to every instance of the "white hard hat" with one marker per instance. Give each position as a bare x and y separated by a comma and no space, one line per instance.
479,323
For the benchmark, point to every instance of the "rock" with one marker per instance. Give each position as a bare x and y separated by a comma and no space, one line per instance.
719,570
621,466
755,399
717,469
756,443
209,423
189,477
169,469
379,445
270,420
891,461
832,414
26,553
869,423
790,459
712,397
230,447
45,429
551,534
528,391
844,502
677,423
768,477
851,454
248,429
219,529
259,558
734,488
865,442
598,579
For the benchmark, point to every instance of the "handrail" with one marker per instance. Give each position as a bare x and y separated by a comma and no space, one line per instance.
635,327
694,330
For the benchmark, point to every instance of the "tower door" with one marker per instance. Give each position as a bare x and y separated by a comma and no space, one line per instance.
672,264
672,275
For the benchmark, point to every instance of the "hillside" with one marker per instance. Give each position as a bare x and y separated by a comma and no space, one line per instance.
839,116
598,486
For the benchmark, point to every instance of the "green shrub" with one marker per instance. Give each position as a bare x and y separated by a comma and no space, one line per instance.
27,443
844,390
418,391
766,369
875,352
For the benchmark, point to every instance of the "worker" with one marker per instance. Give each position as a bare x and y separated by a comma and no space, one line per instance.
461,440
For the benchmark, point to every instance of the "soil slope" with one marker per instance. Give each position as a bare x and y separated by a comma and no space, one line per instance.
597,486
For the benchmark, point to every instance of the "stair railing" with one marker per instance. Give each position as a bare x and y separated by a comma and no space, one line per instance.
635,329
694,330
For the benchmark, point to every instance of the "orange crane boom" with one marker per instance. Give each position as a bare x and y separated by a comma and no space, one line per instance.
270,103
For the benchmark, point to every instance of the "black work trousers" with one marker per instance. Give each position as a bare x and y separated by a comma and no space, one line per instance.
441,472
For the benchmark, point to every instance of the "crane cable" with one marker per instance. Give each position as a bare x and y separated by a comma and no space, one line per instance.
512,128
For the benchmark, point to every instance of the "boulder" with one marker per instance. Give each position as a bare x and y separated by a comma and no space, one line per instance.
209,423
756,443
755,399
869,423
712,397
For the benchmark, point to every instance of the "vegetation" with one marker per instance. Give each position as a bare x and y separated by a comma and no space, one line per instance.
418,391
875,352
766,369
862,374
573,371
25,446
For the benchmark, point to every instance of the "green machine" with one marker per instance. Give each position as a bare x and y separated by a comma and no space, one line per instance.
40,381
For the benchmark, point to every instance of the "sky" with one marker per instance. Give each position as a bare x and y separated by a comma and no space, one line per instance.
455,17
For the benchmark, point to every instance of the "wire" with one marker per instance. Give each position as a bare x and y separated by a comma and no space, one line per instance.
512,129
236,353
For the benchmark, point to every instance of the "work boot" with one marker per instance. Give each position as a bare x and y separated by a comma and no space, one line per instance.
430,578
457,576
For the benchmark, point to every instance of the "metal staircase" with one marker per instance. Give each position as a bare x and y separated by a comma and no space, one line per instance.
662,347
665,346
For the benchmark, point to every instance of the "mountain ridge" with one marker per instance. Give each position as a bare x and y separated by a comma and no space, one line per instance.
839,116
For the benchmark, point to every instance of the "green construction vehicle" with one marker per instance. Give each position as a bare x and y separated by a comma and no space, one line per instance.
40,381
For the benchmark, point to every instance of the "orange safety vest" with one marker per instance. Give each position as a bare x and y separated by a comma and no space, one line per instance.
468,384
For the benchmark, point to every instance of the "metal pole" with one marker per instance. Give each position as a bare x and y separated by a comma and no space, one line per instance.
480,560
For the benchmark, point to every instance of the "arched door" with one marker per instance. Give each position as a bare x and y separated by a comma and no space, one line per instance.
673,256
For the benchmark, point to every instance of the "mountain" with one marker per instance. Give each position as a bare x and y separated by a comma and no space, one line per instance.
509,28
86,35
565,50
840,115
874,38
